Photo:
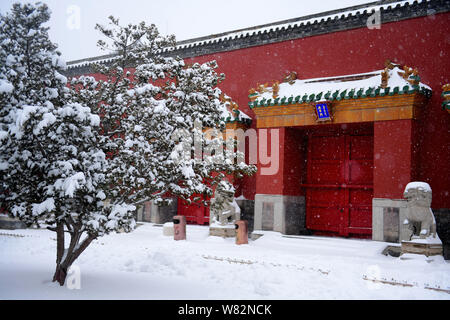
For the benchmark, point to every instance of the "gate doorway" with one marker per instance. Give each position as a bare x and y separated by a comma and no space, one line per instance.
194,213
339,184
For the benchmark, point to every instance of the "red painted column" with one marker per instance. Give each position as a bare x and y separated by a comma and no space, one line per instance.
393,157
270,183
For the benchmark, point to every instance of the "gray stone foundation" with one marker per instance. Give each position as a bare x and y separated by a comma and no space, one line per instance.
285,214
247,212
150,212
442,217
388,216
11,223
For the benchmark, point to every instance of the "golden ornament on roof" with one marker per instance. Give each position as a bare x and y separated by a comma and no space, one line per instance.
290,77
275,89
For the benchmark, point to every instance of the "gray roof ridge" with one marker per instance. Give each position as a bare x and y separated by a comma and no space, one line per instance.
244,33
291,20
218,35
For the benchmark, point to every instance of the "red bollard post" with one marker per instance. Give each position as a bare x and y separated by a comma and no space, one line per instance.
179,228
241,231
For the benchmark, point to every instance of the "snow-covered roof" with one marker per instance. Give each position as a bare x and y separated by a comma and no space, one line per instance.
338,88
298,22
231,112
289,25
236,116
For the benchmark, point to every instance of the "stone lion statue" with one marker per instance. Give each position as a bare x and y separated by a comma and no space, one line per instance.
223,209
420,218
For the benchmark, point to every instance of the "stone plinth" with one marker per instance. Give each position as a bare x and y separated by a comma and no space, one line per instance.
226,231
425,247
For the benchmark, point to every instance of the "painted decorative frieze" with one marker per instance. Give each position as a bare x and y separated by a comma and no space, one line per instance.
393,93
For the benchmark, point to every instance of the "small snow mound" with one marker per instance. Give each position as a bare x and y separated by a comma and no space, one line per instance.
215,239
428,240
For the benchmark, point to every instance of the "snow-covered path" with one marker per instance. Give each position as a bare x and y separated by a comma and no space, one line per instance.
147,265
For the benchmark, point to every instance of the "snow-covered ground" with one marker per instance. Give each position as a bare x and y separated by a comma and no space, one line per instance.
145,264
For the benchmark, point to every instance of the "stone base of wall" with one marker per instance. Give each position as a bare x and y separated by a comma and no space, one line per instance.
247,212
11,223
150,212
387,220
442,217
140,213
285,214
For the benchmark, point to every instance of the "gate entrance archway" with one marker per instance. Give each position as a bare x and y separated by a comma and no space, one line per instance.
194,213
339,188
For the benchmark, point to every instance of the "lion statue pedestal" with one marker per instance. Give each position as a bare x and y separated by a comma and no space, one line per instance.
420,220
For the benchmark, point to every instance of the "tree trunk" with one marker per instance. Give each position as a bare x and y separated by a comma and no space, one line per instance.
72,254
59,252
60,274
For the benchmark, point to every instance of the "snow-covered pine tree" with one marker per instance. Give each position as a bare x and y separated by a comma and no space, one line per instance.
150,117
77,172
30,71
196,110
51,157
119,108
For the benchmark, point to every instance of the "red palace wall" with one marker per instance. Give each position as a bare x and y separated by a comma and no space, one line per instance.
394,155
419,43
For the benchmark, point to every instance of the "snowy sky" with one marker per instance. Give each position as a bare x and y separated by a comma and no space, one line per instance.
72,22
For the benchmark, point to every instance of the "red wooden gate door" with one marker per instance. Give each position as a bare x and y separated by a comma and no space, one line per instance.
194,213
339,186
